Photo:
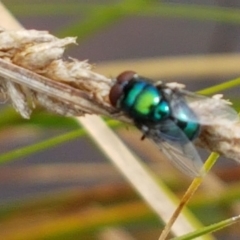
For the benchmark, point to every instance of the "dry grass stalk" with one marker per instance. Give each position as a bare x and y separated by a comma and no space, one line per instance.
32,62
33,71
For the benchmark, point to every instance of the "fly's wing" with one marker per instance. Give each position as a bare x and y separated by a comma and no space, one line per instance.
176,147
201,109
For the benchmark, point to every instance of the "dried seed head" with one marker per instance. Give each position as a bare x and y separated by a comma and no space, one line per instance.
41,53
71,88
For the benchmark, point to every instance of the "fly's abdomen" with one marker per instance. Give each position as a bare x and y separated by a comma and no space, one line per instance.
190,129
184,121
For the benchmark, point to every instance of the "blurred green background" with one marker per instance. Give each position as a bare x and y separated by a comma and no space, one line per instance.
68,189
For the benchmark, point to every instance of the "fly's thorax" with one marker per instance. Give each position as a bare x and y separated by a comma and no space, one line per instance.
139,98
143,101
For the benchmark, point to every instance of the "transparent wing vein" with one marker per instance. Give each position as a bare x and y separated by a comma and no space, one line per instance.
180,151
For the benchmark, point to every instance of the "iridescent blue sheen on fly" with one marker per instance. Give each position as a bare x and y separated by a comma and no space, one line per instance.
150,105
143,102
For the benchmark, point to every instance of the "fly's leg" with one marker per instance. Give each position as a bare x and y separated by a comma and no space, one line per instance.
144,129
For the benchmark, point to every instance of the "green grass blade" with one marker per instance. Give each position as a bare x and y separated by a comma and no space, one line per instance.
10,118
209,229
189,11
221,87
52,142
49,143
97,19
196,12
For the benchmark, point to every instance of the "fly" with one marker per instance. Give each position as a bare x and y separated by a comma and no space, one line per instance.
162,112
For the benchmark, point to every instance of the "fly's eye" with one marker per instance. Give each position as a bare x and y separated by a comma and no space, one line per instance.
115,93
117,89
125,76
